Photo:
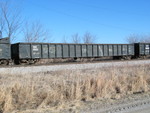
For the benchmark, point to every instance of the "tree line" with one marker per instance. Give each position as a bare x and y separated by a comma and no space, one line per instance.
136,38
12,24
87,38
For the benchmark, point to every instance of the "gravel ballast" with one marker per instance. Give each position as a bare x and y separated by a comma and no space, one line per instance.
35,69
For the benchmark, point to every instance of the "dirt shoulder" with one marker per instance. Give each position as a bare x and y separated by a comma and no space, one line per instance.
131,103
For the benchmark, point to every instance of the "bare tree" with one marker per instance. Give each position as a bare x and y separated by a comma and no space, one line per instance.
35,32
76,38
2,24
134,38
88,38
65,39
145,39
10,20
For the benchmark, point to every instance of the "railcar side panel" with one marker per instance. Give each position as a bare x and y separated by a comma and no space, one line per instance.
110,50
78,50
115,50
89,52
142,50
147,49
44,51
65,51
24,51
5,52
106,50
130,49
84,50
119,50
36,51
52,51
100,50
72,50
95,52
124,50
59,51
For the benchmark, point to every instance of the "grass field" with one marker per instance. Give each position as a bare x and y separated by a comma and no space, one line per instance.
53,89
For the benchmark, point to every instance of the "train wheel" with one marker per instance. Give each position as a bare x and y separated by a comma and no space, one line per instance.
128,58
32,61
4,62
144,57
23,62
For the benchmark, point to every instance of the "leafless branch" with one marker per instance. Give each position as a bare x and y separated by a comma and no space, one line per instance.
89,38
10,19
65,39
76,38
134,38
35,32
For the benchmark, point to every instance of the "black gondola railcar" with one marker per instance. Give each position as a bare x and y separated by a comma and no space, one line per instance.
32,52
142,50
5,51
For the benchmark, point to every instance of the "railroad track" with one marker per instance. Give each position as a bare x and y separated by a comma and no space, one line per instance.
69,66
69,63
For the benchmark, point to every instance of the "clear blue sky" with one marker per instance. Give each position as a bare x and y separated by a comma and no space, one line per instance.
112,21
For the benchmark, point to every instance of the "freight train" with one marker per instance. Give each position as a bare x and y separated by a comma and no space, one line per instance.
30,53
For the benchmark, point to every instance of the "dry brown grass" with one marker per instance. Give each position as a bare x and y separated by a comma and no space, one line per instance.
52,89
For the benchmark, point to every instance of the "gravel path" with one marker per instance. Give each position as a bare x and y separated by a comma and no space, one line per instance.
32,69
135,107
139,103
